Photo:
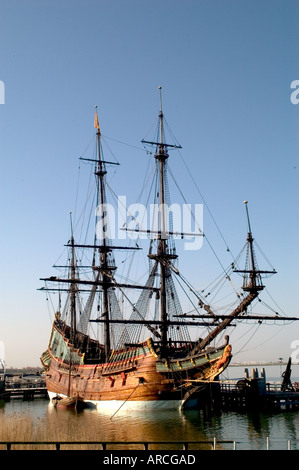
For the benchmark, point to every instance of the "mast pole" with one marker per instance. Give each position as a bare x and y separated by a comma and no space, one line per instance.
73,288
253,272
103,253
162,156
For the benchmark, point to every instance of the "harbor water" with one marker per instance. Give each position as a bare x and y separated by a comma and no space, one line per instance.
39,420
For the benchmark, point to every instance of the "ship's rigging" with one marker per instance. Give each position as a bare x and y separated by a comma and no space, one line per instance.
168,366
166,321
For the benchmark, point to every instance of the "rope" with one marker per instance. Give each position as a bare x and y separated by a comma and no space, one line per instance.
267,340
124,143
125,401
275,303
214,252
190,174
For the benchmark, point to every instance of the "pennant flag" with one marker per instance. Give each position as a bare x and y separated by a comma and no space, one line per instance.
96,121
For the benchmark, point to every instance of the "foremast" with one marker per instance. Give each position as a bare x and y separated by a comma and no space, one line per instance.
103,267
73,289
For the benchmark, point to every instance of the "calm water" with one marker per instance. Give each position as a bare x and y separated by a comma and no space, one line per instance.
249,430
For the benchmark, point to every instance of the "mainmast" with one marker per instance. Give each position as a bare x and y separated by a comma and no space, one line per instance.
162,255
162,156
101,202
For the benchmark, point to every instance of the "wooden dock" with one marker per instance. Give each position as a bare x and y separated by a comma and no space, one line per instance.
231,397
251,393
27,393
25,387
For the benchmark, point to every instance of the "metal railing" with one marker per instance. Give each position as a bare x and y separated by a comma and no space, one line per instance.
213,444
104,445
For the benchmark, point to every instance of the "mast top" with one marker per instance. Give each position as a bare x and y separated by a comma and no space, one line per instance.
252,281
71,222
160,93
248,220
162,146
96,121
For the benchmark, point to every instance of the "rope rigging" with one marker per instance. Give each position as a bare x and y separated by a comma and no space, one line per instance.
141,309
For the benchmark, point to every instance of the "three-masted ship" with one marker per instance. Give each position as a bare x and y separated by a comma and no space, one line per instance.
167,368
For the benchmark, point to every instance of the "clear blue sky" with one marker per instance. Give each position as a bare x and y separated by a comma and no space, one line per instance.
225,67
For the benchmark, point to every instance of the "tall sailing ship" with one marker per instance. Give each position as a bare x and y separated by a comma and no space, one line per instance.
167,368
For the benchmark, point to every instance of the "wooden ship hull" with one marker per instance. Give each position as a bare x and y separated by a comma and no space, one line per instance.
134,376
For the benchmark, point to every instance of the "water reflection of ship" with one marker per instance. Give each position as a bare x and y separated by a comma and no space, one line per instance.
130,426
